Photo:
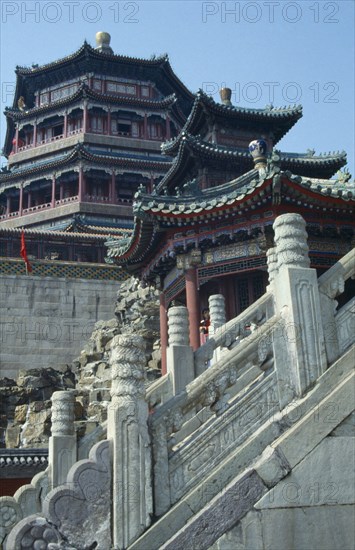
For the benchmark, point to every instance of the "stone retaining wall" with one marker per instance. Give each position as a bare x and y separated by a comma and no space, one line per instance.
45,321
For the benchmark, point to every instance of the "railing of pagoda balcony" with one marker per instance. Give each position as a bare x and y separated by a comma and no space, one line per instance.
74,132
74,198
107,200
25,147
51,139
39,207
7,216
46,206
36,208
97,198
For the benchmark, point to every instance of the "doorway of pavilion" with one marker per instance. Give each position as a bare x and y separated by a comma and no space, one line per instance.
239,291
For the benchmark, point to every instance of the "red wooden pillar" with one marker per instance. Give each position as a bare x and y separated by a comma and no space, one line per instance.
167,127
109,122
20,208
163,333
53,191
81,190
112,193
16,138
8,205
145,130
192,304
35,134
85,118
65,129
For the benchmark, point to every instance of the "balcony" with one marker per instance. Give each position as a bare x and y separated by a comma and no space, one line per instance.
51,145
91,204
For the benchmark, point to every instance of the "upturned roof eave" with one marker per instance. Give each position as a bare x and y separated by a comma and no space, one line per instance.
203,104
148,218
189,144
80,152
84,91
160,64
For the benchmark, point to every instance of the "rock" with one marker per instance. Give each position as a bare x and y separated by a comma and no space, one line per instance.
12,439
25,402
97,411
78,410
20,413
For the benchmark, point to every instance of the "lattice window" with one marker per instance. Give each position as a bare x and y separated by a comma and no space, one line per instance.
258,286
243,294
3,249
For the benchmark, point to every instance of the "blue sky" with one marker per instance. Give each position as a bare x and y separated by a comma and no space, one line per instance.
278,52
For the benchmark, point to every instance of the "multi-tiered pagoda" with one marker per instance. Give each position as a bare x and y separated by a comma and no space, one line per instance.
84,132
208,225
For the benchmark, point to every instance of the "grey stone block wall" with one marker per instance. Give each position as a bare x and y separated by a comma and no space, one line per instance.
45,321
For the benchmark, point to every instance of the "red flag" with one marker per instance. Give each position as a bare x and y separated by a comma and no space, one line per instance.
24,253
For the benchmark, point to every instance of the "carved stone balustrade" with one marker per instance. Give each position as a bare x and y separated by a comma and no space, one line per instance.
226,335
180,364
128,432
74,515
217,309
178,326
208,391
272,265
291,241
332,284
62,443
300,356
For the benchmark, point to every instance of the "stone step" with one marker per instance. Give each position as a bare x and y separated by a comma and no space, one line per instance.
278,445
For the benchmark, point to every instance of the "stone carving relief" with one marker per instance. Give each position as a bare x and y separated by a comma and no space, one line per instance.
178,326
77,512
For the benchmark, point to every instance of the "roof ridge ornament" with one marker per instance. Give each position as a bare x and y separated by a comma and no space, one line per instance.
343,177
226,94
103,40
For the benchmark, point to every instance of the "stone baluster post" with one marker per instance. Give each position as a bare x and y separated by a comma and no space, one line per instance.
299,347
128,432
62,443
217,308
180,361
328,307
271,267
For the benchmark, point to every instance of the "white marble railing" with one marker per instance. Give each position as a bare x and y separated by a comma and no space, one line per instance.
204,414
331,283
27,500
209,391
226,336
345,325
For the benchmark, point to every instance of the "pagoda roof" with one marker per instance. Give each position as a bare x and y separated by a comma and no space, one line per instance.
234,193
15,114
87,58
192,147
85,92
279,120
80,233
82,152
159,213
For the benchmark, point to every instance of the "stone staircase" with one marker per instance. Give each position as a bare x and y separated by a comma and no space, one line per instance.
252,471
246,444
